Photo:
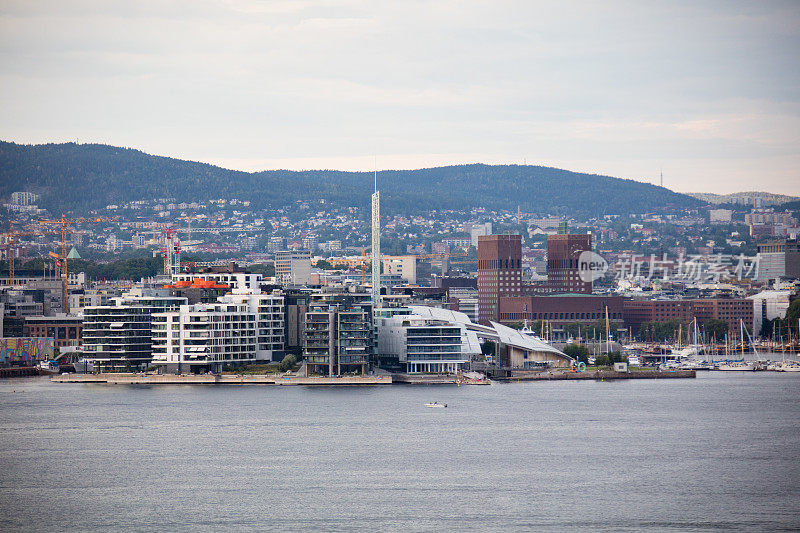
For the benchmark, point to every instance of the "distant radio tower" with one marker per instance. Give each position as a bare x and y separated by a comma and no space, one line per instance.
662,178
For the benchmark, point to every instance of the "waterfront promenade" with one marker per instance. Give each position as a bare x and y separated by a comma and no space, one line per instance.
380,379
223,379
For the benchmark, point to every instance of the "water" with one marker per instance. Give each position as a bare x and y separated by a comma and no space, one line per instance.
716,453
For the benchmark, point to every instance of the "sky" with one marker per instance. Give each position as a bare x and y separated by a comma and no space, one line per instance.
706,92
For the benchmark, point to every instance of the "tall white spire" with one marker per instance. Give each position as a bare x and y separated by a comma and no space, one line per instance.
376,245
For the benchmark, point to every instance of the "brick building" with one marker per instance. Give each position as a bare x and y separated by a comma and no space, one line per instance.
563,252
637,312
563,309
65,330
499,272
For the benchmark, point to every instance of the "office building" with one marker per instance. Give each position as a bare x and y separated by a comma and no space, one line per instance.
560,310
778,258
730,310
768,305
477,230
499,272
230,275
410,268
563,252
464,300
65,330
293,267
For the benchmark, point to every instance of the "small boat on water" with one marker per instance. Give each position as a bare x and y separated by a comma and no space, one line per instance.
49,367
436,405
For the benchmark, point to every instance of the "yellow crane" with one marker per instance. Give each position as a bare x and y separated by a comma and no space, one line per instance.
189,220
61,259
11,247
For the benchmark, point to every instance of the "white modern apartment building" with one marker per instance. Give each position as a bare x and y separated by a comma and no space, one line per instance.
204,337
269,312
235,280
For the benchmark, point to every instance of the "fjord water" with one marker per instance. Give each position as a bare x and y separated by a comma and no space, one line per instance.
720,452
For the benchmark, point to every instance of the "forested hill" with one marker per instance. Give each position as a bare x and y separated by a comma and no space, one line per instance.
86,176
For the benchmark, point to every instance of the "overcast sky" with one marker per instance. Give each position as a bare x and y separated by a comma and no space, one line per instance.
707,91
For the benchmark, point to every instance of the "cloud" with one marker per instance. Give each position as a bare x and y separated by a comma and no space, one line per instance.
622,88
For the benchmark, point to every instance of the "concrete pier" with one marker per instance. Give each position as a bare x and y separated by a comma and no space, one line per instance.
224,379
600,375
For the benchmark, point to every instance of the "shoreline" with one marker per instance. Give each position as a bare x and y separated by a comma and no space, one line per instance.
376,380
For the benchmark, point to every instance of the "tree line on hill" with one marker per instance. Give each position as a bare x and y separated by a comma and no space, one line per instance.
72,177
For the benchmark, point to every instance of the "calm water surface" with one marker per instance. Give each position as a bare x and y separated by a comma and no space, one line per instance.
716,453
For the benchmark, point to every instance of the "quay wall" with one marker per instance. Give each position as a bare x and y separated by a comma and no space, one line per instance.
211,379
600,375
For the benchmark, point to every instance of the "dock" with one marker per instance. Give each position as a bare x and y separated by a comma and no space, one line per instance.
599,375
19,372
223,379
378,379
435,379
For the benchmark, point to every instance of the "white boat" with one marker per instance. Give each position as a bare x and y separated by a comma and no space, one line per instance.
436,405
741,366
686,352
49,367
788,366
695,364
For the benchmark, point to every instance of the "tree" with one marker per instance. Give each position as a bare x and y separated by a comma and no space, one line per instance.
577,351
265,270
793,315
660,331
288,363
715,328
487,348
324,265
766,328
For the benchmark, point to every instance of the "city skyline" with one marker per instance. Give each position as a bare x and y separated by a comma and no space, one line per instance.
707,94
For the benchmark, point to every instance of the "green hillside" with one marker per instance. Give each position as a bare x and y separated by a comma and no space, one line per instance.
87,176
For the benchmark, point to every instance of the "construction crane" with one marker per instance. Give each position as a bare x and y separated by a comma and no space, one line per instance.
171,251
189,220
11,247
61,271
61,263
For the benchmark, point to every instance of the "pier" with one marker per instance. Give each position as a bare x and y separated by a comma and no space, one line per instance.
599,375
19,371
217,379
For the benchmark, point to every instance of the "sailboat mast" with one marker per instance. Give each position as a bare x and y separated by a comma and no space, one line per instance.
741,332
